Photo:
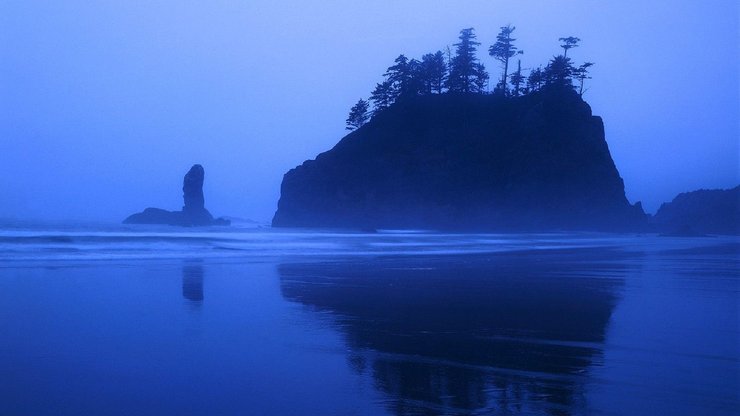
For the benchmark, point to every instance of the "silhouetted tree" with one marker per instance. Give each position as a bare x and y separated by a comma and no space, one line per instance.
399,75
517,79
568,43
502,50
415,84
382,96
480,81
581,74
466,73
559,72
358,115
463,73
433,72
405,77
535,80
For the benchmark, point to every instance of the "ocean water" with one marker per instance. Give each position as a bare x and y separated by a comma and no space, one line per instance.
119,320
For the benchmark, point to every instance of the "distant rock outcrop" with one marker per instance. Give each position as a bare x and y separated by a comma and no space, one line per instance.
715,211
471,162
194,212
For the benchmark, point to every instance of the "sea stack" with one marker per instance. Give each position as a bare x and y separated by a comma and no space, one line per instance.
194,208
193,213
469,162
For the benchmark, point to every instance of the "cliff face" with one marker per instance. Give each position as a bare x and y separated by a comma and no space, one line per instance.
465,162
714,211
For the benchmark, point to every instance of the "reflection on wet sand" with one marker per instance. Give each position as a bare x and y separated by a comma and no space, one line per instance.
460,335
192,282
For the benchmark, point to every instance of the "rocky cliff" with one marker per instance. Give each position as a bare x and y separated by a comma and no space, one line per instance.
715,211
193,213
472,162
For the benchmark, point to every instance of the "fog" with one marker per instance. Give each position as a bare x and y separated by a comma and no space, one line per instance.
105,106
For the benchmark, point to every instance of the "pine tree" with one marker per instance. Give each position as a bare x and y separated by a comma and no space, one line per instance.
405,77
559,72
502,50
535,79
433,72
517,79
466,73
415,83
581,74
382,96
358,115
569,43
480,79
398,75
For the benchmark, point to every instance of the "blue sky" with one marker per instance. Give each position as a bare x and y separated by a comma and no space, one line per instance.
105,105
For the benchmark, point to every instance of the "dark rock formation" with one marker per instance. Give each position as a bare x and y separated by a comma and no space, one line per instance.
192,189
715,211
475,162
193,212
154,216
192,195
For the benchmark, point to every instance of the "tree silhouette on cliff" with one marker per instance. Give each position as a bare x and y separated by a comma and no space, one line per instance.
402,77
502,51
581,74
569,43
358,115
517,80
559,72
433,72
444,72
467,75
382,96
535,80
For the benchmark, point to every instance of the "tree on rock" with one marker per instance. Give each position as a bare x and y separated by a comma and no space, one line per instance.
559,72
466,73
382,96
358,115
433,72
480,81
581,74
399,76
517,80
415,83
535,80
569,43
502,50
461,72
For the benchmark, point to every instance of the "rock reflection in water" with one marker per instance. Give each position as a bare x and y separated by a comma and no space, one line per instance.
504,333
192,282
